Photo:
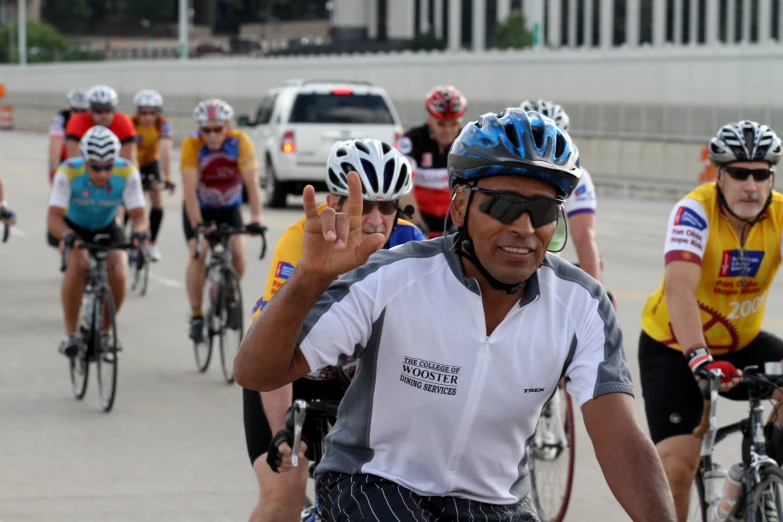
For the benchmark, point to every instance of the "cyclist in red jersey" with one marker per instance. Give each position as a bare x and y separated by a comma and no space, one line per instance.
427,147
77,103
103,103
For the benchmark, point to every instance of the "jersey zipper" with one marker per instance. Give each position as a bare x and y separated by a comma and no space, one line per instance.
474,399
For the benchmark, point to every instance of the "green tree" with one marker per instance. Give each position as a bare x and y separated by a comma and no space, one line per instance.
426,42
72,16
44,44
512,33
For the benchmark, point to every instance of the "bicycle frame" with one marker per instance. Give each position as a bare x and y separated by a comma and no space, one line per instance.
553,405
712,435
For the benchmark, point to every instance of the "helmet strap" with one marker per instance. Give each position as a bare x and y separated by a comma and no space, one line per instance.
464,248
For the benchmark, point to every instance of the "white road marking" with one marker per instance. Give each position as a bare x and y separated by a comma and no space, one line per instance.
19,233
166,281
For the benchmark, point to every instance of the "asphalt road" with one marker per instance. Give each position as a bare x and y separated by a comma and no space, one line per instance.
173,447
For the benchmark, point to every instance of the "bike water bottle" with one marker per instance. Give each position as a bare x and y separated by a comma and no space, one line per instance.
731,491
713,490
88,301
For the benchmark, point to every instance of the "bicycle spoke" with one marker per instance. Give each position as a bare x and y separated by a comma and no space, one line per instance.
106,355
232,323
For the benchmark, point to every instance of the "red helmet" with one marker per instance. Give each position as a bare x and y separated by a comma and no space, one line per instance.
445,102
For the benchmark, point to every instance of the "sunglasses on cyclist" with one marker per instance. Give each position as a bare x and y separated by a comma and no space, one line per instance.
387,208
212,130
101,168
148,113
506,207
78,111
451,124
741,174
101,110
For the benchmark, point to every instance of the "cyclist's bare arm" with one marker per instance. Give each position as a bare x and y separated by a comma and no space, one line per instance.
681,279
189,184
55,221
276,404
250,179
166,145
133,198
269,357
72,147
55,147
582,229
139,218
628,459
130,151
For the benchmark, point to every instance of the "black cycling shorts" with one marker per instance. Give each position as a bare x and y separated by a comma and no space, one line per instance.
672,400
369,497
114,230
149,174
231,216
258,434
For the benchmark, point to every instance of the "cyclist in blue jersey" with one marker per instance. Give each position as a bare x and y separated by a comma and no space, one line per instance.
282,495
86,193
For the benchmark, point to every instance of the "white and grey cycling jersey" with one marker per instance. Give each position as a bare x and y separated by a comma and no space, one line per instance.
438,406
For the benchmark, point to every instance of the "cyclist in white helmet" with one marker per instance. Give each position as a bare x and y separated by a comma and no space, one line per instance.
579,208
76,104
102,101
386,177
86,195
216,161
155,143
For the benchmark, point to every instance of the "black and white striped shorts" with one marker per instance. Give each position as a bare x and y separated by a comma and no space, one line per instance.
343,497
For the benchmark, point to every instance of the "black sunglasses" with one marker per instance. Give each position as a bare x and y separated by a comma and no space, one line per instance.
101,110
387,208
506,207
78,111
741,174
101,168
211,130
148,113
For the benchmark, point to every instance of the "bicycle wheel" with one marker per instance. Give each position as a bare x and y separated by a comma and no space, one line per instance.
145,270
697,507
551,457
231,321
767,497
203,349
79,368
106,357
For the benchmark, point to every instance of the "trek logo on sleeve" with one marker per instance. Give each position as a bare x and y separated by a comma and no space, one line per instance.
688,218
734,264
284,270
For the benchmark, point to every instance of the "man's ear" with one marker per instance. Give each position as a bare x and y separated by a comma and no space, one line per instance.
459,204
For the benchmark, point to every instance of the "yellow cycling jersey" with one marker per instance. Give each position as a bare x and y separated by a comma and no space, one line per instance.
149,138
732,292
288,252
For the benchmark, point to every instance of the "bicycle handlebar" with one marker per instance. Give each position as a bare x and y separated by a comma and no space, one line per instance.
92,248
300,409
224,230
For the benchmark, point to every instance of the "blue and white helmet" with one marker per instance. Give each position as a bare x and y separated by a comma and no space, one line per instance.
515,142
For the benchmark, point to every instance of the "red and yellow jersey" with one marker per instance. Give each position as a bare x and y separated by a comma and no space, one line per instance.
149,138
220,171
735,281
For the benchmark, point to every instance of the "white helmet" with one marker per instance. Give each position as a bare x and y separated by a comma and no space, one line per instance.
102,95
213,110
745,141
99,144
77,99
384,171
148,98
549,109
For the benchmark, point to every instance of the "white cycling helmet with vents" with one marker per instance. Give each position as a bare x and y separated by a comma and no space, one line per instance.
148,98
77,99
99,144
550,109
385,172
213,110
102,95
745,141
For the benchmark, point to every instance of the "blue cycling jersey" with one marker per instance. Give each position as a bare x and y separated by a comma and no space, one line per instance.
90,206
403,233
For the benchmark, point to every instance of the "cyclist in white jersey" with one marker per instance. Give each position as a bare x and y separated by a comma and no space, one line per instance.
460,341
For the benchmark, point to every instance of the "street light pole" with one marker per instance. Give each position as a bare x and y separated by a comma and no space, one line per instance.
22,29
184,9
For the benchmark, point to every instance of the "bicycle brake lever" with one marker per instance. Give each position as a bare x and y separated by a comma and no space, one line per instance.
300,412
